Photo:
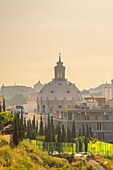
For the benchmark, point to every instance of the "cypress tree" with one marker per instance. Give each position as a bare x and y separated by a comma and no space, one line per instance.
83,131
80,134
41,126
80,144
52,130
49,124
68,135
21,126
87,131
73,133
86,143
63,139
16,131
48,131
59,134
33,122
4,104
25,126
45,131
29,129
33,128
36,127
90,132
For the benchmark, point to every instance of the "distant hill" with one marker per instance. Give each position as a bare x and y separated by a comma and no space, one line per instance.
97,91
9,91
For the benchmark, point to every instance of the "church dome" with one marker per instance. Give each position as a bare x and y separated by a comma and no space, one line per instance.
57,93
60,90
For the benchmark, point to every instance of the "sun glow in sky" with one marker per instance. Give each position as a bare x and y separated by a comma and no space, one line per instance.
33,32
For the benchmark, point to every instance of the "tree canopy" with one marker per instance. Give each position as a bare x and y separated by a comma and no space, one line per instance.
5,118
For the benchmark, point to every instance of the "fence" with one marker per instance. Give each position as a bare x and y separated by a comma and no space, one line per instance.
50,147
100,148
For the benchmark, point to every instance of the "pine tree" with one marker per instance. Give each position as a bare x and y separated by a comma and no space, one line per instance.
16,131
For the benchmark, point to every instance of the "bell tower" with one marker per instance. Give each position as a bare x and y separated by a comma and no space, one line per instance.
59,70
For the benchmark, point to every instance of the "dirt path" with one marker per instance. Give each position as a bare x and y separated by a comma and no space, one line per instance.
95,164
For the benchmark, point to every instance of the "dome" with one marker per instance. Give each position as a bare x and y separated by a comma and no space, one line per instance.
60,90
59,93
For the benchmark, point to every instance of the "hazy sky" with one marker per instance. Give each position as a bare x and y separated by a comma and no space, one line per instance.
33,32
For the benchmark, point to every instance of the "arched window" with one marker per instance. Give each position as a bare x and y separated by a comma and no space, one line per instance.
43,108
60,106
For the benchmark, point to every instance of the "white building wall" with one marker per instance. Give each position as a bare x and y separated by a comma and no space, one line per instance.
107,93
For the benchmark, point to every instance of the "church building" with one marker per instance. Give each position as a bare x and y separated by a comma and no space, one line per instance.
59,93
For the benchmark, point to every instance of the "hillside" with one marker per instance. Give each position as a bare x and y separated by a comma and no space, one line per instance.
26,156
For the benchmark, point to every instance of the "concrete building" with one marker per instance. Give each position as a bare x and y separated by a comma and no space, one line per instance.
100,120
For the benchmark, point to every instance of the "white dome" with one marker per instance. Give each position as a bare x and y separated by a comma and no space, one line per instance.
59,93
60,90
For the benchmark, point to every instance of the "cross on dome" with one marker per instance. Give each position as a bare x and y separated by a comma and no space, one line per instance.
59,56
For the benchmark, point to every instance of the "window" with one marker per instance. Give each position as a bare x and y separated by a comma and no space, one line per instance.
43,108
98,125
69,116
86,117
60,106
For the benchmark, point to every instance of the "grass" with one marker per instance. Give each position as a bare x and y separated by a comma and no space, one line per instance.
81,164
27,157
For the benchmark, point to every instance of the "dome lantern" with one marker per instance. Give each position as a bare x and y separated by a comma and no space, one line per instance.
59,69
